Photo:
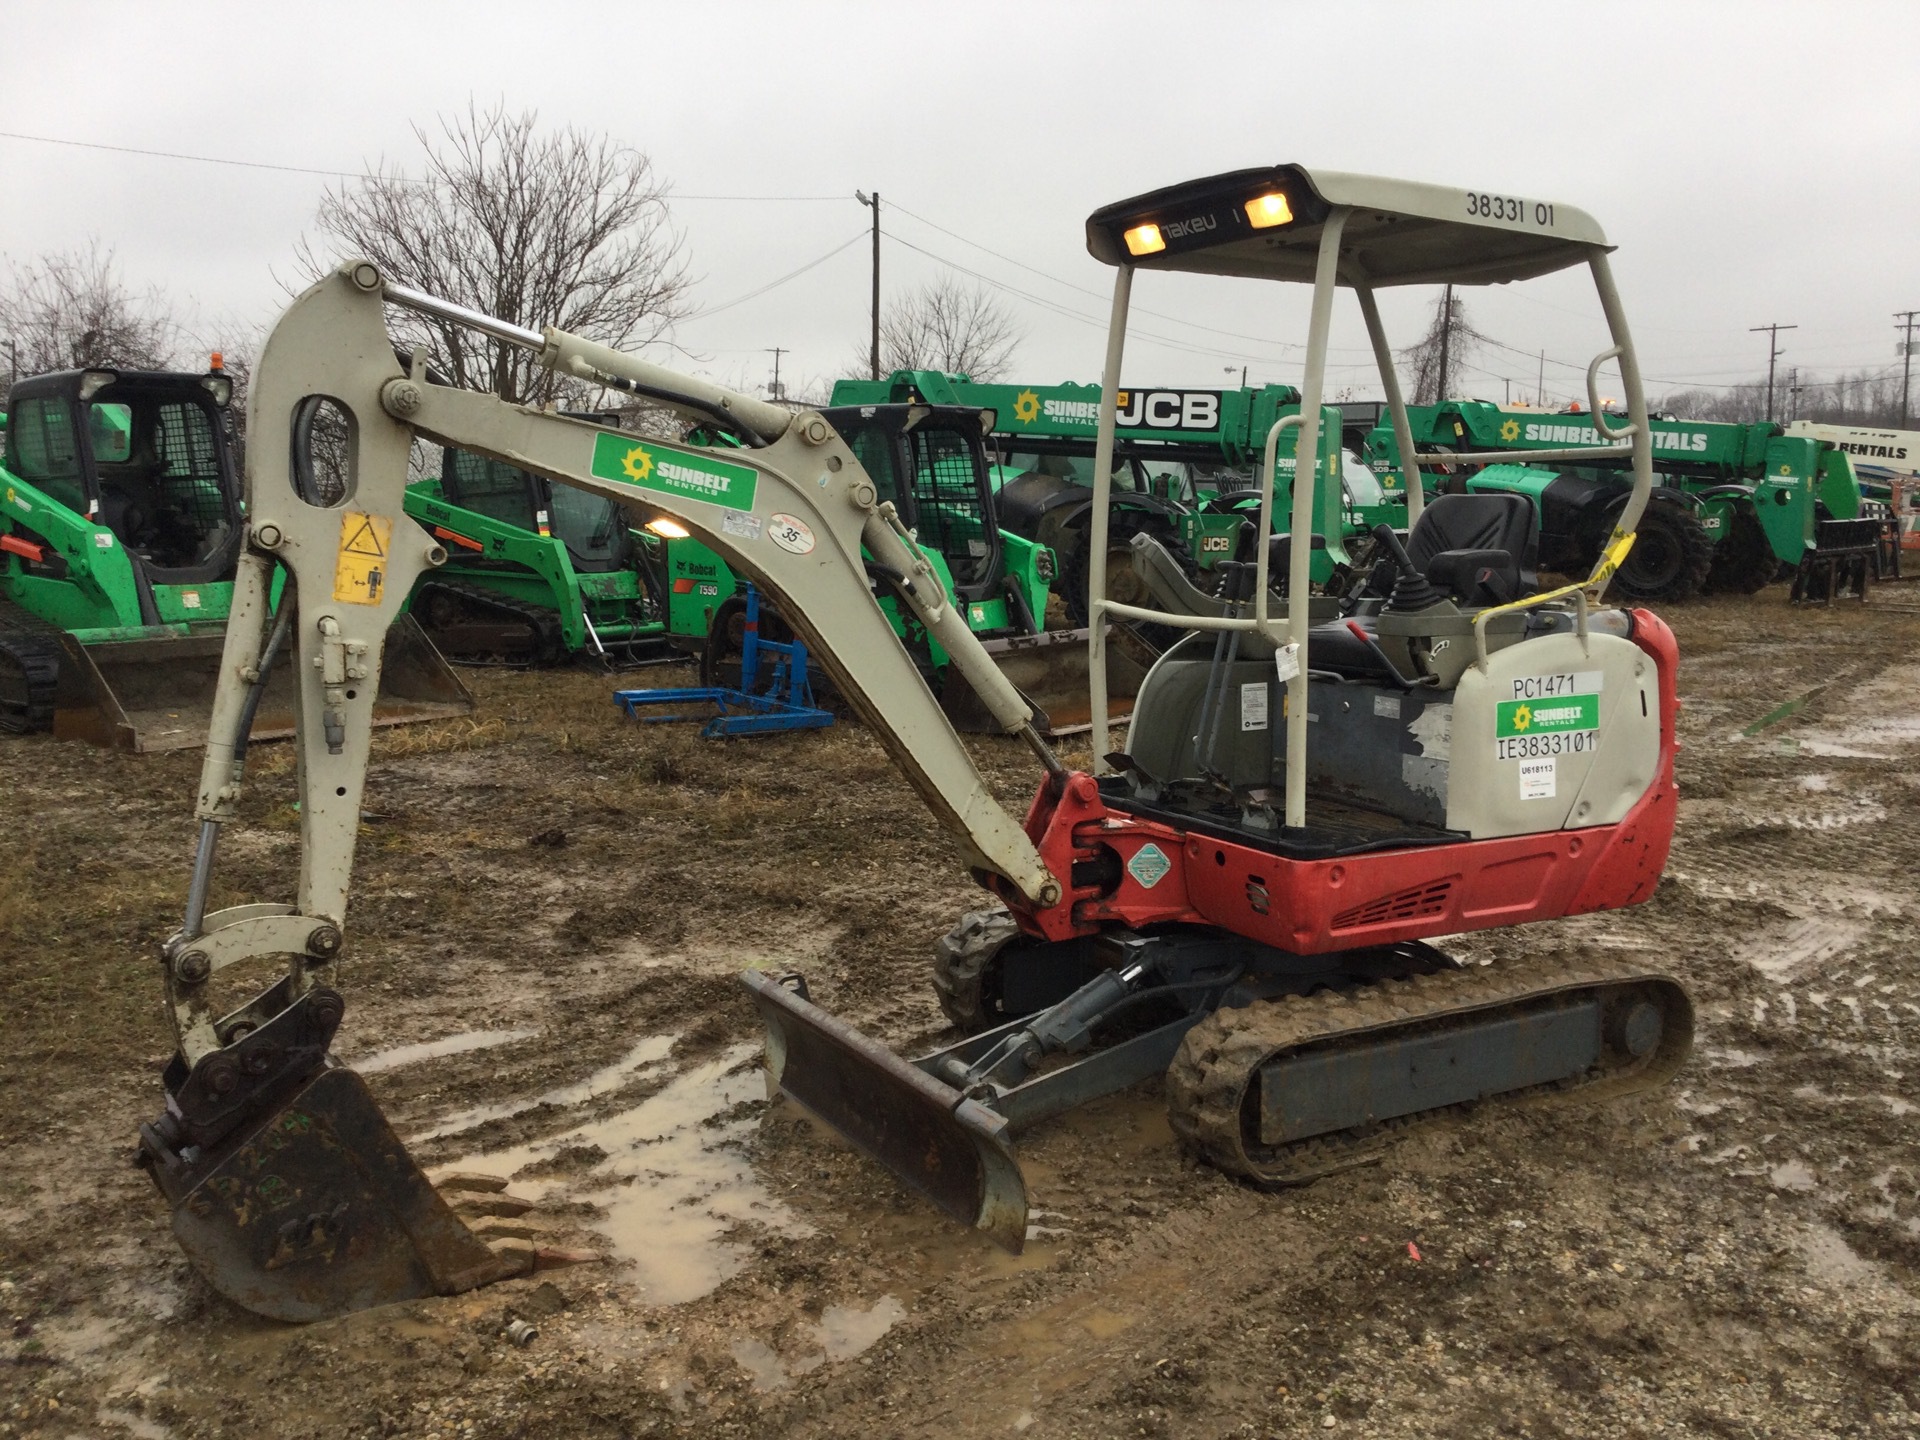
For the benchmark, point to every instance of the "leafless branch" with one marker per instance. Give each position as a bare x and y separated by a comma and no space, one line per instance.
945,326
537,227
70,311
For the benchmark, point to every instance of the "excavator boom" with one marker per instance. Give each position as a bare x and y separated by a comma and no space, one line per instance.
279,1165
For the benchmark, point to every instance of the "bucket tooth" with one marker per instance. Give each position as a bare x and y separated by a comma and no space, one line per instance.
319,1211
951,1150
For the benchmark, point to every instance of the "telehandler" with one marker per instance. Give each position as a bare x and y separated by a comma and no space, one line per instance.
1224,901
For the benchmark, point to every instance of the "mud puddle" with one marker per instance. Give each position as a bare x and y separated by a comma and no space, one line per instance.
461,1044
632,1066
841,1333
666,1176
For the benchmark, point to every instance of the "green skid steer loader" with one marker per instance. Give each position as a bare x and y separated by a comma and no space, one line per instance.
121,522
929,462
538,572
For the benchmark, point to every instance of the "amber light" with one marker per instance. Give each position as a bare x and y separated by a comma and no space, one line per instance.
1145,240
671,529
1266,211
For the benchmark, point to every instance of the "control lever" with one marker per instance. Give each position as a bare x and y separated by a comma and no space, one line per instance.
1411,588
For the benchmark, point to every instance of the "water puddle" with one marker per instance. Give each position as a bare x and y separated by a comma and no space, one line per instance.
460,1044
842,1332
762,1365
1830,1258
1793,1175
1877,721
138,1426
1803,945
846,1330
650,1051
668,1176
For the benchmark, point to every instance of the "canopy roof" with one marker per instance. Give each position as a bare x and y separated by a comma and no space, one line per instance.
1400,232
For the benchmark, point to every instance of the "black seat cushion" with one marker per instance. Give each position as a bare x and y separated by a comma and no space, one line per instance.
1477,522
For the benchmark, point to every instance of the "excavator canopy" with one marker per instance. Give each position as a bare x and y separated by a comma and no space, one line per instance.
1265,224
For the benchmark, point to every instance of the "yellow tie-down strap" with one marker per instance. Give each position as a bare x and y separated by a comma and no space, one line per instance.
1611,558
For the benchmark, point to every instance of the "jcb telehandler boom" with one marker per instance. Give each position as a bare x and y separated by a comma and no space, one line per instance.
1231,908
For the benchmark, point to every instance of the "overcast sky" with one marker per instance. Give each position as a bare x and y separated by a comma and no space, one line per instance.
1753,162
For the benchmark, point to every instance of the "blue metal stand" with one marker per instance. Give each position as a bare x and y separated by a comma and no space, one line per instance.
786,703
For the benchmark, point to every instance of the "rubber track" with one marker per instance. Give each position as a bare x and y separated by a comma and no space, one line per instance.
543,620
1209,1077
31,646
960,961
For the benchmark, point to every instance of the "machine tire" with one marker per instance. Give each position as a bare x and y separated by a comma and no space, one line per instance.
966,969
1744,562
29,671
1671,556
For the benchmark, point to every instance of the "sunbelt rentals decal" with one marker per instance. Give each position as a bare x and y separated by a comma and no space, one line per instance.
1136,410
665,470
1545,433
1549,715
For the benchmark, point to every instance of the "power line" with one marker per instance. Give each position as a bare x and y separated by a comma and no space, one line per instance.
776,284
332,174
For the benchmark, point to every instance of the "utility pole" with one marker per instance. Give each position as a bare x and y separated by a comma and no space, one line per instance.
1905,317
1540,385
1446,340
777,351
1243,375
1773,354
873,201
1793,393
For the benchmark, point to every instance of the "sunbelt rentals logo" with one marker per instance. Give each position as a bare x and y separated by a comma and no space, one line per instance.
1026,407
666,470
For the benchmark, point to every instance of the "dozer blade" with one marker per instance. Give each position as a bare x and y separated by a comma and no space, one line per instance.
319,1211
946,1147
1051,671
157,694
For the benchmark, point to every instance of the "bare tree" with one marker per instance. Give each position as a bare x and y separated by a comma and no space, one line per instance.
1866,397
946,326
536,227
1434,360
70,311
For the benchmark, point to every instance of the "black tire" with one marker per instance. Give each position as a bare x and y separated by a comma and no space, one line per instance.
1123,581
1671,555
966,969
29,671
1743,562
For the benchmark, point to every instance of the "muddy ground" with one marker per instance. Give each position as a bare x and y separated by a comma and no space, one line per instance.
551,901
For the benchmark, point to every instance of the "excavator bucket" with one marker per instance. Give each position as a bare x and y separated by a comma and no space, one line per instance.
1051,670
951,1150
318,1210
157,694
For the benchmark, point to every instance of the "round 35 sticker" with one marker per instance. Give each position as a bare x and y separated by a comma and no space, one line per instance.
790,534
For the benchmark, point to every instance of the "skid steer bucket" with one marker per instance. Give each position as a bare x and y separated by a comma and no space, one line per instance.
1051,671
318,1210
157,694
951,1150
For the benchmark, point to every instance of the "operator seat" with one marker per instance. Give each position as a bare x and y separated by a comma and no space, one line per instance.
1480,549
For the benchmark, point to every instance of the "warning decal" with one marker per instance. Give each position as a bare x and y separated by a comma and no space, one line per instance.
360,575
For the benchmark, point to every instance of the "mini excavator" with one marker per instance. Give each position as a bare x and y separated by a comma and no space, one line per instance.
1240,900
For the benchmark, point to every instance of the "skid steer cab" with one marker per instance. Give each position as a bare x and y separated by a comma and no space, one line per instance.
121,528
1311,790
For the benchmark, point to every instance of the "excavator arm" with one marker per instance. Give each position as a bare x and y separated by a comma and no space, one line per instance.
291,1194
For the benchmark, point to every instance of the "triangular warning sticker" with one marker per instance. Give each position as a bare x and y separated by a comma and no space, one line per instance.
362,540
